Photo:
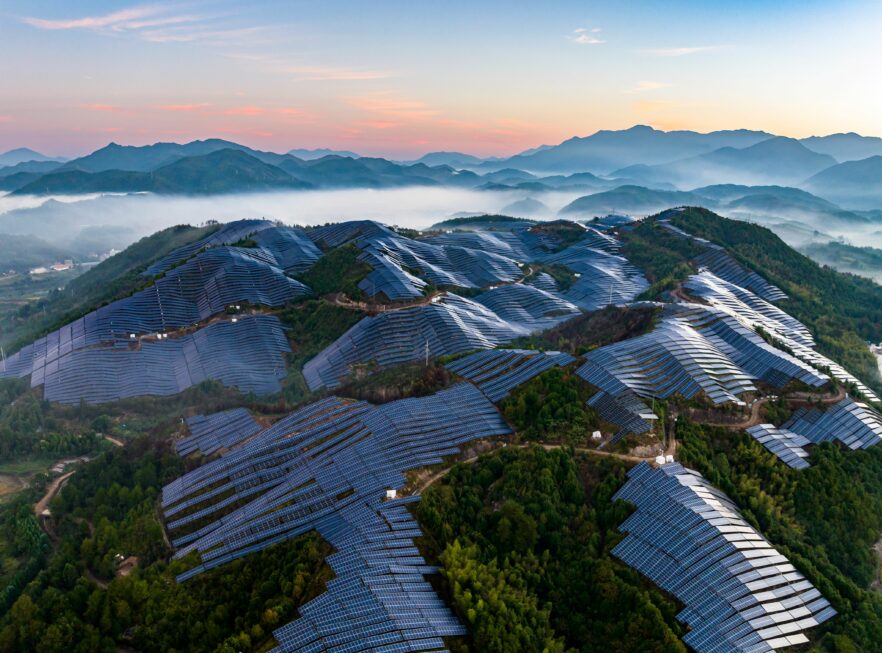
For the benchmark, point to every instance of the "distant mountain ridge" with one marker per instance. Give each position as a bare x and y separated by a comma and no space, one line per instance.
309,155
855,184
607,151
778,160
23,155
241,170
641,156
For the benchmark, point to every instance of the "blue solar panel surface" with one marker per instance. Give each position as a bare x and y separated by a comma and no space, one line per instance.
740,594
326,467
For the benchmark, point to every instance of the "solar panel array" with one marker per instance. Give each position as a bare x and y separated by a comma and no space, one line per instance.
787,445
529,307
720,262
756,312
499,371
440,265
626,410
326,467
741,595
449,325
291,248
248,355
402,267
744,303
604,277
210,433
672,359
230,233
854,424
741,343
196,282
193,292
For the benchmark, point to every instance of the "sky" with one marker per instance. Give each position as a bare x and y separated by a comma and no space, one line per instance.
398,79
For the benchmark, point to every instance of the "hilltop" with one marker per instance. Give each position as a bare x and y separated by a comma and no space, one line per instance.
336,375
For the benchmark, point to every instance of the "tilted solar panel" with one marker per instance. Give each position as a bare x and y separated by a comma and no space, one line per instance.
740,594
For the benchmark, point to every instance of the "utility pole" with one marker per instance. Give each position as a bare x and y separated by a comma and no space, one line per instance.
3,356
427,352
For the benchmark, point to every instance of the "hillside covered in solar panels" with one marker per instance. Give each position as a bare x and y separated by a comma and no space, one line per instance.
493,435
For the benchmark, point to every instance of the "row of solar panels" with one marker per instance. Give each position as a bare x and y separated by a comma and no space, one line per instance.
754,312
450,325
499,371
687,537
854,424
211,433
93,358
721,263
248,355
327,467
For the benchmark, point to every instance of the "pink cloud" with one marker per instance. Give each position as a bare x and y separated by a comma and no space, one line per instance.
101,107
245,111
93,22
389,106
184,107
6,118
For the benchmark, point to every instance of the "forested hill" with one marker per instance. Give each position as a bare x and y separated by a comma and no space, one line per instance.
844,311
518,512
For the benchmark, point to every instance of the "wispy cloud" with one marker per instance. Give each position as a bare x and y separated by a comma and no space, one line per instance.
328,73
314,73
680,52
6,118
645,86
158,24
105,108
585,36
116,20
245,111
213,36
184,107
390,106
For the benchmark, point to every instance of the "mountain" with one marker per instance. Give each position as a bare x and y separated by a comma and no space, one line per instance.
778,160
234,170
635,200
23,154
527,208
222,171
845,147
40,167
853,184
453,159
24,252
309,155
606,151
146,158
863,261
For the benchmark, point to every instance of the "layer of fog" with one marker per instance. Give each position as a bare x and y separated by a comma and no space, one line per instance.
92,224
61,220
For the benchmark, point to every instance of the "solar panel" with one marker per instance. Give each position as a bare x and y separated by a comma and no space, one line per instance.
740,594
498,371
326,467
210,433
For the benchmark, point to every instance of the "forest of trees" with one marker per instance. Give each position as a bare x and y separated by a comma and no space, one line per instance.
523,537
77,604
843,311
825,519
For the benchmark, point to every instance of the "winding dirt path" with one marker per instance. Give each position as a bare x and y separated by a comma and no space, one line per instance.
51,491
